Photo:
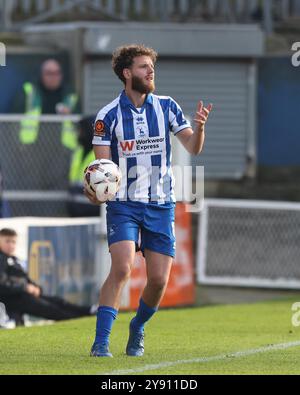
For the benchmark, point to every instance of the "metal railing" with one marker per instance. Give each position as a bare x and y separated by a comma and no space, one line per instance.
249,243
17,13
35,176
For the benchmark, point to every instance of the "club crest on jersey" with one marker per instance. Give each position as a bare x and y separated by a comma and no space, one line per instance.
99,129
141,133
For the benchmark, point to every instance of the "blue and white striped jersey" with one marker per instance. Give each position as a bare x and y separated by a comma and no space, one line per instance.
140,145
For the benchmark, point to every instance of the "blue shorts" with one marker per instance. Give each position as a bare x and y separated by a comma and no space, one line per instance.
153,223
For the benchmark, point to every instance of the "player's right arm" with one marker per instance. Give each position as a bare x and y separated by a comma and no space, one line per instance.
102,152
103,125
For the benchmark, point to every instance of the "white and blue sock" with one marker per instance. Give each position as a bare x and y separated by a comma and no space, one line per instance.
144,313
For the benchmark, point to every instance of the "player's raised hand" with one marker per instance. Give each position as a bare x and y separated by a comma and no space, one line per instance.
202,114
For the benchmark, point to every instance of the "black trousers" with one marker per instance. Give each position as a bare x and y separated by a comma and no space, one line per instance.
48,307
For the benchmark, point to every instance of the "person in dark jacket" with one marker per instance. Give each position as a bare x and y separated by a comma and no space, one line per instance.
21,295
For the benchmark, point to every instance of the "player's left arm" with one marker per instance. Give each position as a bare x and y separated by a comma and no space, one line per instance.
193,140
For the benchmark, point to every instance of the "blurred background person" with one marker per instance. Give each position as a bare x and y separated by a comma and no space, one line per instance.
48,96
21,295
78,205
46,147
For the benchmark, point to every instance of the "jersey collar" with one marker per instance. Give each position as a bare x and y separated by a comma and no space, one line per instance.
125,101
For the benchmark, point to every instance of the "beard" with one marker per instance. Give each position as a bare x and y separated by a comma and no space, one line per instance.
139,86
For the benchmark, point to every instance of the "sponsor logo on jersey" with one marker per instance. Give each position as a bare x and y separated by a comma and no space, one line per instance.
142,146
127,145
149,143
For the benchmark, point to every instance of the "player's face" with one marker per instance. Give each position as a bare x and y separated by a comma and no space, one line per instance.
142,75
8,244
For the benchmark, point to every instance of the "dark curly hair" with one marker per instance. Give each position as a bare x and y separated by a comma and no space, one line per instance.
123,57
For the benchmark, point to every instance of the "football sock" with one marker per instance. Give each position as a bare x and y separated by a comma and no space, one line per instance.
105,319
144,313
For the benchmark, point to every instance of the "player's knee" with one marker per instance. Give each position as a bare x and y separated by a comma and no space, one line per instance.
122,273
157,282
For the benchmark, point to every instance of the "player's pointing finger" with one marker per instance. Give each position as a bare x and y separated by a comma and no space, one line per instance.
200,106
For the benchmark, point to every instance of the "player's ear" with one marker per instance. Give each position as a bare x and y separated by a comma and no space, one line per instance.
127,73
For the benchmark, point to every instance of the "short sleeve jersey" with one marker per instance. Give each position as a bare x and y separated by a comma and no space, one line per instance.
141,145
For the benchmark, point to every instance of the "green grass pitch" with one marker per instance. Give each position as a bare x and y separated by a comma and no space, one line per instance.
171,336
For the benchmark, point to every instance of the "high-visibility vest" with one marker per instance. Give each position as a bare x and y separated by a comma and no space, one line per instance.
79,164
30,126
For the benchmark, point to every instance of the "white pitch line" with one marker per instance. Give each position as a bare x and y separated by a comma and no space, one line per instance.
272,347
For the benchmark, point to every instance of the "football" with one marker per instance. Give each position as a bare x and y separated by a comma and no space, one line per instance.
102,178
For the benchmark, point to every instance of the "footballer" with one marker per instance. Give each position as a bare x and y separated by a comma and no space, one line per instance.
134,132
